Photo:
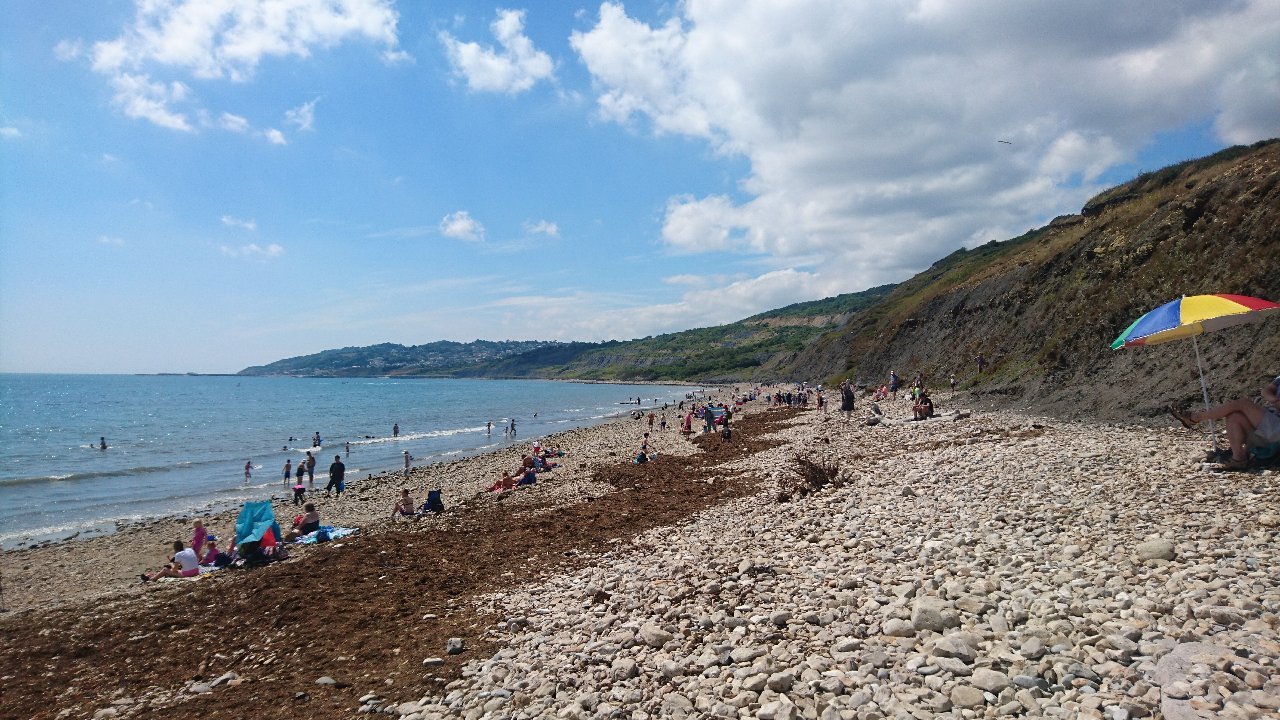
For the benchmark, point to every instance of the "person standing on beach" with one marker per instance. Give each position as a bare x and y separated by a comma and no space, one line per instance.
846,400
198,534
337,471
288,471
408,463
311,471
488,427
248,470
513,427
302,470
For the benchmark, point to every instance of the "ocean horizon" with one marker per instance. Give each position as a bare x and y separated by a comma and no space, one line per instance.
177,444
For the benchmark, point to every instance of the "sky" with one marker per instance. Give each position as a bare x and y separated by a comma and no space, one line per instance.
205,185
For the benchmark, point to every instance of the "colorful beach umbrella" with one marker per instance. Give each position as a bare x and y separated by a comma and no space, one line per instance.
1193,315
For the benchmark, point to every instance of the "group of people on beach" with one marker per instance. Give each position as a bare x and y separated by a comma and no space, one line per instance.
539,460
307,467
187,561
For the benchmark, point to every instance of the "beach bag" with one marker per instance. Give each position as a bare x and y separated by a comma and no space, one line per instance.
322,535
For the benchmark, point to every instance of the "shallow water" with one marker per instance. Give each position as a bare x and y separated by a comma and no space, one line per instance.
178,444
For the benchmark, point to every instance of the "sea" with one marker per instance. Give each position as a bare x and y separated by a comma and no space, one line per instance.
178,444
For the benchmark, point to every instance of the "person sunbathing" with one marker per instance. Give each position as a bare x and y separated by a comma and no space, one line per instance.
184,563
1248,423
506,483
404,506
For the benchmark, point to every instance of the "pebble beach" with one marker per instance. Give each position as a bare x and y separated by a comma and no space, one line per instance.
994,565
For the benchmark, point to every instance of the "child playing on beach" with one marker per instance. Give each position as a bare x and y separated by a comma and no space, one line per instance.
299,490
214,556
198,534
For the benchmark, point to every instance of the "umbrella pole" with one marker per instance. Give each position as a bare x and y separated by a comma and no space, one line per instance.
1204,389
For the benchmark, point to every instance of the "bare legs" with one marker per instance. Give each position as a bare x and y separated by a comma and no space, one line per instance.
1241,416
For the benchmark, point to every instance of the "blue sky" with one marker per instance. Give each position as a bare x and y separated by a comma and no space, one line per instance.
203,186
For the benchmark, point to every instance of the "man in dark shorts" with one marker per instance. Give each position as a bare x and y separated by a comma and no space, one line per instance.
336,472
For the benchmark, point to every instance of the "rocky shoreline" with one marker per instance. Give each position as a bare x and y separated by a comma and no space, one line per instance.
998,565
1001,567
58,572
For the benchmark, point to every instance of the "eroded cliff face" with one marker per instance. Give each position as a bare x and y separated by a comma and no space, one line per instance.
1044,309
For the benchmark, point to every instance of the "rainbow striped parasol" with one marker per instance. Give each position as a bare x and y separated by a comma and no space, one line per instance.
1193,315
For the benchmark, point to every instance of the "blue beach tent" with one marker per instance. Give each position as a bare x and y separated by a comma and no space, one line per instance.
257,520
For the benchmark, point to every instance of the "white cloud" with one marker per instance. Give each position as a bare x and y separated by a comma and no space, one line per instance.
415,231
67,50
870,128
274,136
231,221
112,241
583,315
461,226
10,133
699,280
303,116
252,250
234,123
140,97
542,227
512,69
226,39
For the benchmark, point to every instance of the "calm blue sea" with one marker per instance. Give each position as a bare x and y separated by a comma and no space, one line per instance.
178,444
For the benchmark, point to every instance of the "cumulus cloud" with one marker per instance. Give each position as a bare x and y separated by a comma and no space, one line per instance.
274,136
10,132
221,40
112,241
139,97
252,250
870,128
512,68
461,226
231,221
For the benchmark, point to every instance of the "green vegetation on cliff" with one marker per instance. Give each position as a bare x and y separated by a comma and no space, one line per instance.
1042,308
